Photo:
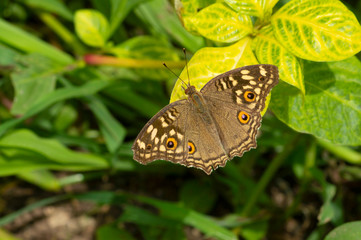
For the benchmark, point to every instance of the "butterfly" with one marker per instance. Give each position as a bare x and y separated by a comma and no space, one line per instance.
212,125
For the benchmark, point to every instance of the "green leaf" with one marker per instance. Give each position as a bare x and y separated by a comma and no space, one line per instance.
142,217
58,95
258,8
210,62
28,43
187,9
8,56
107,232
162,22
331,108
119,10
220,23
33,81
53,6
255,230
318,30
193,195
349,231
4,235
66,116
91,27
190,217
42,178
112,130
269,51
49,149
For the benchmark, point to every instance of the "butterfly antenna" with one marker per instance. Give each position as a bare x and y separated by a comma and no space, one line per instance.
165,65
185,57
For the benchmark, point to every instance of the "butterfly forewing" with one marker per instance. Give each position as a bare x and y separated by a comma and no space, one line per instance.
246,86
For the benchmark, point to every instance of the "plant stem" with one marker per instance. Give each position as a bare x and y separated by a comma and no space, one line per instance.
310,161
268,175
345,153
94,59
62,32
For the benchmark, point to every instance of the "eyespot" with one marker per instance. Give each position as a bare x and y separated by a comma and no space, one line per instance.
171,143
249,96
149,146
191,148
261,78
243,117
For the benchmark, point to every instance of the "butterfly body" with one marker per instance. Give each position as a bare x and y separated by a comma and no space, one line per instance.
212,125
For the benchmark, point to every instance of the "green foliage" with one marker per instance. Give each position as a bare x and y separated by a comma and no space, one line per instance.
349,230
91,27
78,81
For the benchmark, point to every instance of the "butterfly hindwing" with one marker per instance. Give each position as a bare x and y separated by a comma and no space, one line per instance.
163,137
206,150
237,126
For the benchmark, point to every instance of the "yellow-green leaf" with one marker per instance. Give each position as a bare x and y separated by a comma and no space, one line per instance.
91,27
220,23
258,8
318,30
210,62
269,51
187,9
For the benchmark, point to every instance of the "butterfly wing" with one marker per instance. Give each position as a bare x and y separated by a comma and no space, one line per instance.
163,137
235,100
195,143
238,85
205,150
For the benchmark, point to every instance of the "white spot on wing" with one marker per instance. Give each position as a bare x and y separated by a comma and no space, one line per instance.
245,71
180,136
262,71
171,132
154,133
150,128
247,77
163,137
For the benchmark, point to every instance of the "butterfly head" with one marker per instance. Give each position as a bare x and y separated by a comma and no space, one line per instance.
190,90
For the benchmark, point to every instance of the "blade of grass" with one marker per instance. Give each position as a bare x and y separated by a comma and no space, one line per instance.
12,216
189,217
268,175
28,43
113,131
58,95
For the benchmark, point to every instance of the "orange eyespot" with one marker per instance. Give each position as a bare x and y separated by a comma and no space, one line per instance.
171,143
249,96
261,78
191,148
149,146
243,117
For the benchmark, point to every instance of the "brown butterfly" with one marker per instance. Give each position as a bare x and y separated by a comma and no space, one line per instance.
213,125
